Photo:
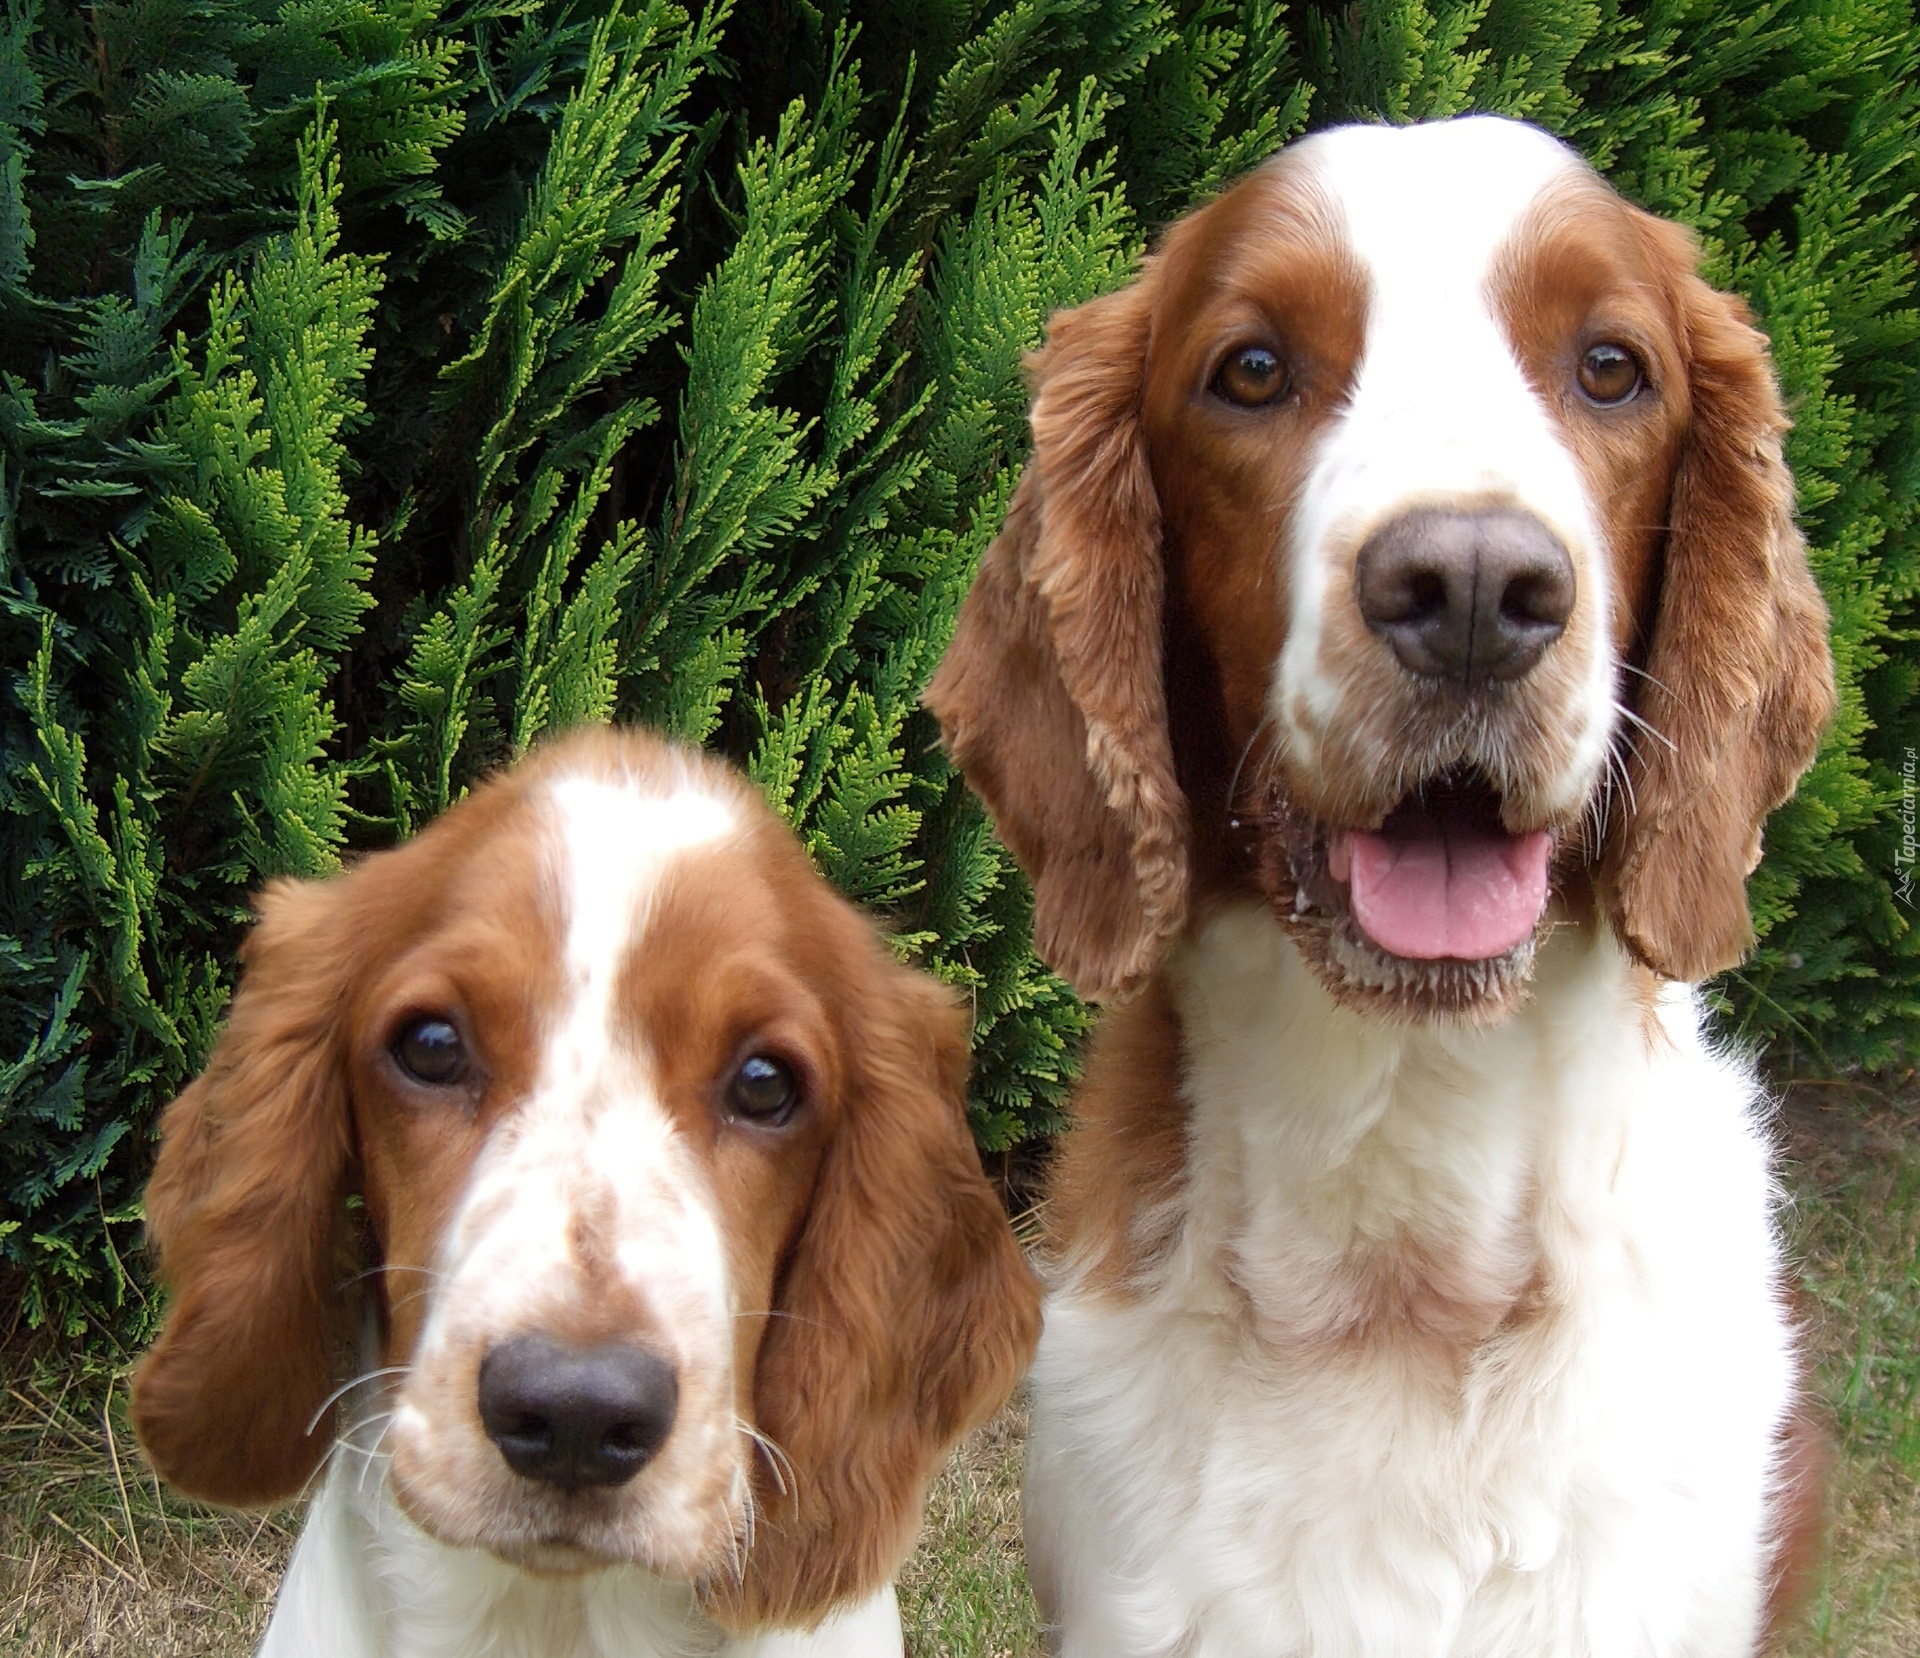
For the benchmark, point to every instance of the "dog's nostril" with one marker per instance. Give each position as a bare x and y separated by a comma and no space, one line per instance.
572,1417
629,1438
1539,598
1426,595
1466,596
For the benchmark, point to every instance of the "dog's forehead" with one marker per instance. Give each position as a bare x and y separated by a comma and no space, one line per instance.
1431,206
616,837
589,1128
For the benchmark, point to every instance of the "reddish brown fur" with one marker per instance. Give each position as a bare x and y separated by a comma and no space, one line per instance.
1579,273
1806,1451
1049,696
905,1312
244,1212
1228,480
1110,1198
1738,676
907,1319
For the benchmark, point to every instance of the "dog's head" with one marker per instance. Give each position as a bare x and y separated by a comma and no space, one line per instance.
1410,541
675,1237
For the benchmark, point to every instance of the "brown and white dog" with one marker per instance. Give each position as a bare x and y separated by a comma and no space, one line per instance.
1391,654
682,1274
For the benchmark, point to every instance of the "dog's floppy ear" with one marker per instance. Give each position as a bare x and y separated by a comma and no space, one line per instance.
903,1318
1052,695
242,1214
1739,680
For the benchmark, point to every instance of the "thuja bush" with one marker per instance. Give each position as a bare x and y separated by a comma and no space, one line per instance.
385,382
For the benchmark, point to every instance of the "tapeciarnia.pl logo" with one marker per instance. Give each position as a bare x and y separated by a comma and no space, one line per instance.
1903,857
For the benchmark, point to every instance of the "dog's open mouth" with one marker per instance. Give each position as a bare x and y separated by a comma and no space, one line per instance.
1438,906
1441,880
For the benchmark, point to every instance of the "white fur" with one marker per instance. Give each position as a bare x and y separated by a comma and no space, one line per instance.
365,1580
1440,411
1226,1461
1207,1479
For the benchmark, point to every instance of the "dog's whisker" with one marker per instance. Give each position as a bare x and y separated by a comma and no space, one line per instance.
1641,724
777,1458
792,1318
385,1267
1269,762
345,1388
1628,667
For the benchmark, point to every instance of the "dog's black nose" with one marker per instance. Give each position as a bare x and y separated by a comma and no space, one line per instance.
1466,596
575,1418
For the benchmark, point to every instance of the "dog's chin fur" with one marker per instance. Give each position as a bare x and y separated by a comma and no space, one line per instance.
555,1548
1363,978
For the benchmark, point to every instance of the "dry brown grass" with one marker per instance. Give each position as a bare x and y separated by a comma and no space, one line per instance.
96,1559
964,1593
194,1582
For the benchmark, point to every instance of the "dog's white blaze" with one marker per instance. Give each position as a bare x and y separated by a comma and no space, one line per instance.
618,842
1440,409
593,1150
594,1135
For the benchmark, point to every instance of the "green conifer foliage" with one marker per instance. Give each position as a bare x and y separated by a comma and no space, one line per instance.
223,598
385,384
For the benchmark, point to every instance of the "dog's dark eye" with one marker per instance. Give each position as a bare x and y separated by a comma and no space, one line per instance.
1609,373
430,1050
763,1090
1251,376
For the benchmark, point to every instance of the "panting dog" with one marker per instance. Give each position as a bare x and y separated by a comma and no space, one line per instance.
1392,651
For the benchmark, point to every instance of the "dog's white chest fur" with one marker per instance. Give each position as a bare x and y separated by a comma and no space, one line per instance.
1471,1343
365,1582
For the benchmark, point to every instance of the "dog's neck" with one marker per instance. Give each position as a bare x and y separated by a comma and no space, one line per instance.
1351,1177
458,1601
366,1582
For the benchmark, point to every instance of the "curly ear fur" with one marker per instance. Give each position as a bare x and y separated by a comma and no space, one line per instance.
242,1214
1052,697
903,1319
1739,680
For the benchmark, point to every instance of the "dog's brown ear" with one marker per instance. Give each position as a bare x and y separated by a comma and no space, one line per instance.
1052,695
1739,680
904,1317
242,1212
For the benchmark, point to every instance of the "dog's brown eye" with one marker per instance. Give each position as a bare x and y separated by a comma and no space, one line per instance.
1251,376
430,1050
1609,373
763,1090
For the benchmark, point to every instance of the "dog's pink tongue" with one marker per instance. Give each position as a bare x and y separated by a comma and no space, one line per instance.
1453,891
